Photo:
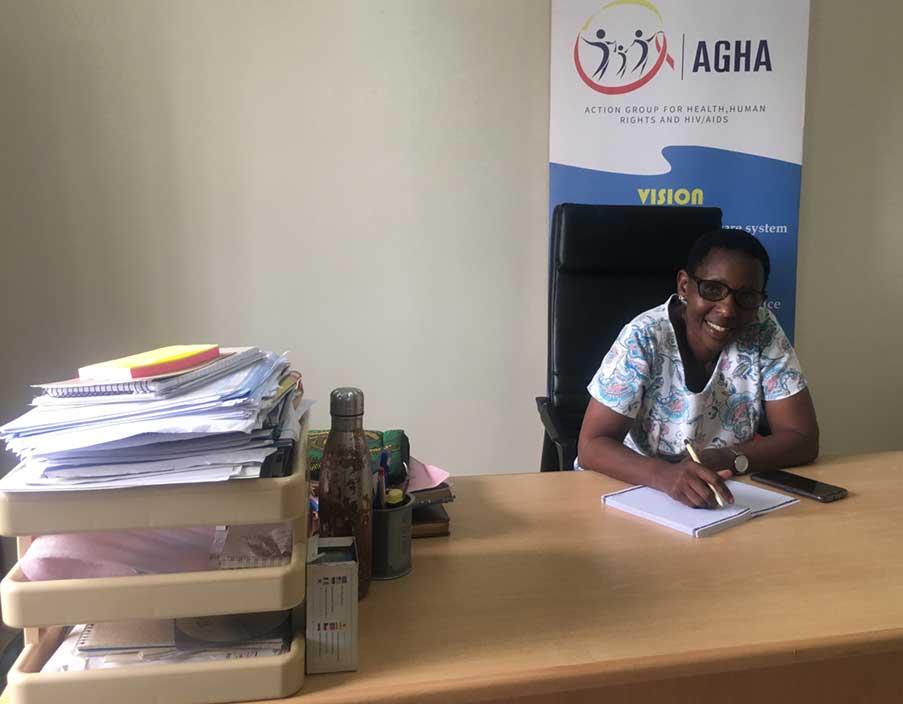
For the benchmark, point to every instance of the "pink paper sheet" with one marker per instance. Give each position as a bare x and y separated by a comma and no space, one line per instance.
119,554
424,476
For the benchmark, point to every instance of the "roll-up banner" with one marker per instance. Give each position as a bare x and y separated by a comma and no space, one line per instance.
685,102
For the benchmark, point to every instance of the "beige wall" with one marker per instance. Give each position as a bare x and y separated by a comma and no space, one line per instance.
365,185
361,183
850,286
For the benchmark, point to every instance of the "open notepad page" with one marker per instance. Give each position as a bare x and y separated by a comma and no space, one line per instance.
653,505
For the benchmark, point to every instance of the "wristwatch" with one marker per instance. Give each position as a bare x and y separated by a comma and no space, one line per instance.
741,462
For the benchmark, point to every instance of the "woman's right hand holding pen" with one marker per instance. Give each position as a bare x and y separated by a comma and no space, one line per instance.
693,484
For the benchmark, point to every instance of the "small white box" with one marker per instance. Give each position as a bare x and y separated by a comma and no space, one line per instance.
331,631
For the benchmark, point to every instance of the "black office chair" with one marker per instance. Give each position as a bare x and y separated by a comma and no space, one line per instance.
607,264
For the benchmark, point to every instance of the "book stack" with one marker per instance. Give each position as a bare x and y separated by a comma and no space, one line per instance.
215,440
429,515
393,443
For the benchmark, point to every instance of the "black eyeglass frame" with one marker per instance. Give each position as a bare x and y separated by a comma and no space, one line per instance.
729,291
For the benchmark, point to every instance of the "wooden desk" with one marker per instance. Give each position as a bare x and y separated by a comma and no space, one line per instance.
541,594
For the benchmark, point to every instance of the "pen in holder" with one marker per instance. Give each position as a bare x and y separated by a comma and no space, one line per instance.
392,538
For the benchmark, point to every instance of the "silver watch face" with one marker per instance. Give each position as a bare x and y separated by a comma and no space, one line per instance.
741,463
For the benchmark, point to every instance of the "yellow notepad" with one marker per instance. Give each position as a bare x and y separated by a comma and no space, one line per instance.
163,360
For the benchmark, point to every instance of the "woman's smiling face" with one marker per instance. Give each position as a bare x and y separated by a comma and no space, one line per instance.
712,325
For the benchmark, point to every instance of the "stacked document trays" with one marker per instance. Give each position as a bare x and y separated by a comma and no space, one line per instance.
44,608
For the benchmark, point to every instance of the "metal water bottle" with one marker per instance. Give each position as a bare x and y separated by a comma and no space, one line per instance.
346,485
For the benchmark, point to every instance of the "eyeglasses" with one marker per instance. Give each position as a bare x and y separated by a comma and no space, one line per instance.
746,298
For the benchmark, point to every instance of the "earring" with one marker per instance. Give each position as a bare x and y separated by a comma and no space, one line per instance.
682,299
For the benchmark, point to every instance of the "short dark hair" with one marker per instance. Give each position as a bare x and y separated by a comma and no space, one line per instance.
732,240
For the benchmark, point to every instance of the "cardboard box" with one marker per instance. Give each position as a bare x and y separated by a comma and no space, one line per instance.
331,630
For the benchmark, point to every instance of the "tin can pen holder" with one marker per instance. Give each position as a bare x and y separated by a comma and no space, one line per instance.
392,540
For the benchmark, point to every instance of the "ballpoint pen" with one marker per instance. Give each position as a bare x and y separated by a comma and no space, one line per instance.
382,479
693,456
381,488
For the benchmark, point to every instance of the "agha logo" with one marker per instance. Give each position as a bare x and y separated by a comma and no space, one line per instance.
622,47
736,58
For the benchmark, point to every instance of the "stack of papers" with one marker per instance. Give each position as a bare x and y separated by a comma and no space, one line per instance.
104,646
216,428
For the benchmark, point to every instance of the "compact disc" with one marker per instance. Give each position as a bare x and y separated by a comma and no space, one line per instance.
232,628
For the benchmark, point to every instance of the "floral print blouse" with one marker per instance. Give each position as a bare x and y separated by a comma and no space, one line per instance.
642,377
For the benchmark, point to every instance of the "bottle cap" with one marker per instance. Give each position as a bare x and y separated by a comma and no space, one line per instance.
346,401
394,496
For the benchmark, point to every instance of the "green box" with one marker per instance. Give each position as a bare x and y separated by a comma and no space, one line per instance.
395,442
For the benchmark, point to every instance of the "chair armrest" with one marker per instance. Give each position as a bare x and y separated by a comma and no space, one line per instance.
567,454
565,447
549,417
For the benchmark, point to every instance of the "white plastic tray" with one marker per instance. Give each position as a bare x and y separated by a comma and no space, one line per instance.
216,503
209,593
185,683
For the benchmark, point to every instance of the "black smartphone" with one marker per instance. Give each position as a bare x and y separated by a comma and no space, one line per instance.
796,484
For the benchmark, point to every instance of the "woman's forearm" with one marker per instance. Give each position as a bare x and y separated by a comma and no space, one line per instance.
785,448
794,435
610,456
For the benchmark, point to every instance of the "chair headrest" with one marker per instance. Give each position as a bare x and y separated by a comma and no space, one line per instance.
626,238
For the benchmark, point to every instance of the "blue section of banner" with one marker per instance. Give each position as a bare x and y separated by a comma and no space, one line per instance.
755,193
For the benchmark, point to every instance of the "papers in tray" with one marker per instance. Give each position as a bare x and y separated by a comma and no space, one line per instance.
749,502
237,396
250,546
28,478
235,425
139,643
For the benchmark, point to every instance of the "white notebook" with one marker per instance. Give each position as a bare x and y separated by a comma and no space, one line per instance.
653,505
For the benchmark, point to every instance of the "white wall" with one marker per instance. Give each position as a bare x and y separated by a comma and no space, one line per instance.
850,286
365,184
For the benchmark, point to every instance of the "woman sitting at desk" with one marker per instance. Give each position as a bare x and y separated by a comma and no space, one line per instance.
698,368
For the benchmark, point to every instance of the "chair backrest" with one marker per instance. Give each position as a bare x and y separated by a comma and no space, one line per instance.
608,263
